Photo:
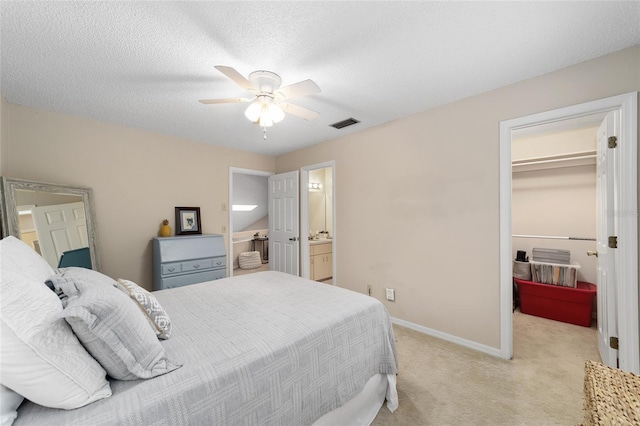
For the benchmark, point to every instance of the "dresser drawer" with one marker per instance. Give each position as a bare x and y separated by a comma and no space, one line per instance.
171,268
220,262
197,265
194,278
193,266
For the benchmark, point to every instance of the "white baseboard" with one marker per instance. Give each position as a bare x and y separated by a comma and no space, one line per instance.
448,337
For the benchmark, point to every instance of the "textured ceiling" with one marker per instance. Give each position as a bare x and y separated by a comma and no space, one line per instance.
146,64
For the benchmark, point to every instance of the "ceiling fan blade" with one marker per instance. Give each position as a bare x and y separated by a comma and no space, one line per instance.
223,101
296,90
238,78
302,112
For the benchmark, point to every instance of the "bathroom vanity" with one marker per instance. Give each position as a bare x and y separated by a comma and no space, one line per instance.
320,259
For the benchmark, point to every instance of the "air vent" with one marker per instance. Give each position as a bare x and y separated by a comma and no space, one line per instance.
344,123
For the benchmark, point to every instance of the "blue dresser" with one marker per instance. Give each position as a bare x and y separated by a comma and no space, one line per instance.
184,260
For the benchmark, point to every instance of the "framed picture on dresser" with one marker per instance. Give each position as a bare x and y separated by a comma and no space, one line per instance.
188,221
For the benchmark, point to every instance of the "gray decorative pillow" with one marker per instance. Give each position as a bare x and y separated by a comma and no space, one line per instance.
110,327
150,306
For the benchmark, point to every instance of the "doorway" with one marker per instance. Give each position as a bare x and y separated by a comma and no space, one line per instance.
318,222
248,221
626,218
554,207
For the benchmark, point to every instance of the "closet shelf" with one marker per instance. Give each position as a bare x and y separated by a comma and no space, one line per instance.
573,159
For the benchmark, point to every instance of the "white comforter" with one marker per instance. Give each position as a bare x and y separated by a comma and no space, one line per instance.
259,349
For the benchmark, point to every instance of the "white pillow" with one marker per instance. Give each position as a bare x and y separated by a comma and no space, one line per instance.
40,357
9,403
110,326
29,263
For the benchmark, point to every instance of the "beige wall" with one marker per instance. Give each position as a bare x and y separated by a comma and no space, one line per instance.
137,177
418,198
561,202
555,143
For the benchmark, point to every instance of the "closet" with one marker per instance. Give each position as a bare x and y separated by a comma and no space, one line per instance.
554,194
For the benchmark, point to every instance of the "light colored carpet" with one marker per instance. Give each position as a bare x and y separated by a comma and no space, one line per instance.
442,383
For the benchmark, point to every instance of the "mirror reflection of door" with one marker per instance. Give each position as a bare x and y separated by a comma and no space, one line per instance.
52,223
321,225
249,222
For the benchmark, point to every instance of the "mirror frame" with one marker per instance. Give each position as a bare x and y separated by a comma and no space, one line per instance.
10,221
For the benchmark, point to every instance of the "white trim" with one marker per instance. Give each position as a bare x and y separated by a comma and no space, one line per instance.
627,252
304,218
627,267
448,337
506,273
230,241
305,268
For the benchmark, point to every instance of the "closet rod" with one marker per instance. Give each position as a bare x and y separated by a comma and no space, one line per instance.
582,155
552,237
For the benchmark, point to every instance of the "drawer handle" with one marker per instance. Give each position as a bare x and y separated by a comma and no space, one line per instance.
196,266
172,269
218,263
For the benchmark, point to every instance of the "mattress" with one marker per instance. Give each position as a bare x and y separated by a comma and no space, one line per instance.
258,349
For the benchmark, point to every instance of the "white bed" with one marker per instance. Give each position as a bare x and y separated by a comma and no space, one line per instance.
264,348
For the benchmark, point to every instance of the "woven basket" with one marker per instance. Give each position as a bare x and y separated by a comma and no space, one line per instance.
611,396
249,260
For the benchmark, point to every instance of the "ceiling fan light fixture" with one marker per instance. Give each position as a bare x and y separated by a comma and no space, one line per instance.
265,118
263,110
253,112
277,114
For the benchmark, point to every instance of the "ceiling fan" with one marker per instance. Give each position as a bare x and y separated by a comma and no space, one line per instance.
269,103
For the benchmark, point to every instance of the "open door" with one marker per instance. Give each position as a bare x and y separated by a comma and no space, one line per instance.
606,189
60,228
284,246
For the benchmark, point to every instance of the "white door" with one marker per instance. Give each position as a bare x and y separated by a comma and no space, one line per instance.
283,223
60,228
606,187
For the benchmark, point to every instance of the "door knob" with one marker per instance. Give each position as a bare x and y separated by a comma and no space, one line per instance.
293,239
592,253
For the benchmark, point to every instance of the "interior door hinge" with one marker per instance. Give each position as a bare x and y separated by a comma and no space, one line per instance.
613,141
613,342
613,242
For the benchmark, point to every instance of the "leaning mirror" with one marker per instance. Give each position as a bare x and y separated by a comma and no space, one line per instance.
57,221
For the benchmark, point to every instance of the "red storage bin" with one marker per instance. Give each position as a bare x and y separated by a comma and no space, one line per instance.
566,304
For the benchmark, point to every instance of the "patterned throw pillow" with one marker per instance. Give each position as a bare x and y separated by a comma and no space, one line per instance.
154,312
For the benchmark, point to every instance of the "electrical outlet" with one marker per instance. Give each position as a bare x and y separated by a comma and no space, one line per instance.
369,289
224,229
391,294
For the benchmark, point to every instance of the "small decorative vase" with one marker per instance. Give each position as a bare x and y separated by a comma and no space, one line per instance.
165,229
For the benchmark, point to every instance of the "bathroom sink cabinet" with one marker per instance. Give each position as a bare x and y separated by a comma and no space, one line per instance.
321,262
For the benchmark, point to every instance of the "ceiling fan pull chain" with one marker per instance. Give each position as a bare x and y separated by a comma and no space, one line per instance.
264,129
